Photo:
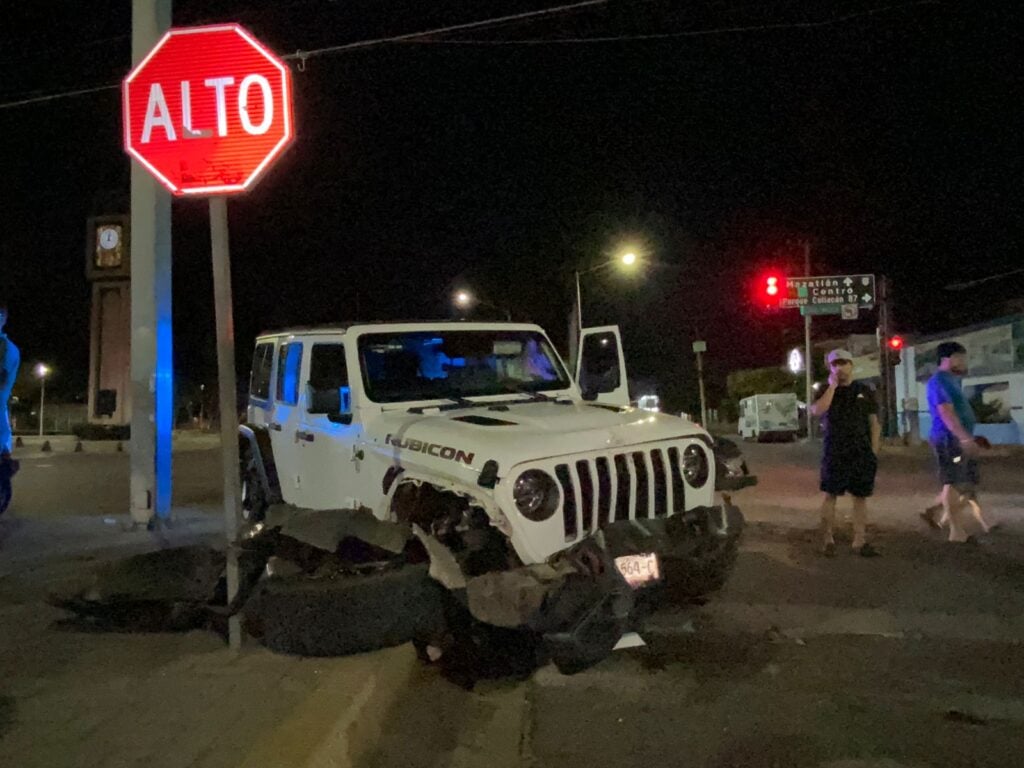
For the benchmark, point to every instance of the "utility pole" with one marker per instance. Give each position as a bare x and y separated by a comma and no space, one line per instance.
152,385
808,359
886,371
699,348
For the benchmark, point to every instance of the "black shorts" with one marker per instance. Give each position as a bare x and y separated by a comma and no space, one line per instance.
955,468
853,474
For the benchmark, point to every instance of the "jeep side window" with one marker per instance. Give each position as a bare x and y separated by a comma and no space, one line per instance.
289,360
262,363
600,364
328,380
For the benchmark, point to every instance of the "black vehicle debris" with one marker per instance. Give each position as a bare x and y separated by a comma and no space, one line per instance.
335,582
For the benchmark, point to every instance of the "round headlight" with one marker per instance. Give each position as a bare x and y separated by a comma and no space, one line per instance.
695,466
536,495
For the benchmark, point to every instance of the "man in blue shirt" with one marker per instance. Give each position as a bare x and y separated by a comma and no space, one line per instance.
10,359
953,441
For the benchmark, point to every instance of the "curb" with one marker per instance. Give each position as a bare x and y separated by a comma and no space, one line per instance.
340,722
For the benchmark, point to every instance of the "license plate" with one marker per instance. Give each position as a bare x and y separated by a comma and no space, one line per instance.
638,570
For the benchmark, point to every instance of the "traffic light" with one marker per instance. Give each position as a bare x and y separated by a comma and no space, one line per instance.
893,349
770,290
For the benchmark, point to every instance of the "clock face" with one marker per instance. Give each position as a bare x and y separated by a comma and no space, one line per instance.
109,237
108,246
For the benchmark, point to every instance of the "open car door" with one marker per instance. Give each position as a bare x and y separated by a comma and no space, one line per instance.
601,366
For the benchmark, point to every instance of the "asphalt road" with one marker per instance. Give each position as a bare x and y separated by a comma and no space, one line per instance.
911,659
95,483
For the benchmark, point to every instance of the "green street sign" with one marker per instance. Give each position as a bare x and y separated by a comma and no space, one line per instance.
821,309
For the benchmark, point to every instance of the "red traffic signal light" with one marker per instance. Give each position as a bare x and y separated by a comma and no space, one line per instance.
769,290
896,342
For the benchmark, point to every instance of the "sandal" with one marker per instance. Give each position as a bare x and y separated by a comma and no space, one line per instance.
829,550
869,551
929,517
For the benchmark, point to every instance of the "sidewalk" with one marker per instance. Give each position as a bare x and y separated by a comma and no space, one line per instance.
109,700
32,445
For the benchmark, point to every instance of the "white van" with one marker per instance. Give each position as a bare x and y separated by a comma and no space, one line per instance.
769,417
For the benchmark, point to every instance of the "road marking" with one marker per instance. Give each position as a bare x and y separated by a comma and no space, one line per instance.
803,621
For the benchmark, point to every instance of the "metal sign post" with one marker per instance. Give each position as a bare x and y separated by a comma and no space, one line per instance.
808,352
228,397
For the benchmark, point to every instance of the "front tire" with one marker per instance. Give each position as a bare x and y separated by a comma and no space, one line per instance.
254,495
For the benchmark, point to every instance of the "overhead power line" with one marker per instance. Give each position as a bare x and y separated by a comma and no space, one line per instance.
424,38
688,33
414,36
302,56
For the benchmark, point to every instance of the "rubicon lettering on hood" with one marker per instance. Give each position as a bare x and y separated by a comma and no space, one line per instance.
432,449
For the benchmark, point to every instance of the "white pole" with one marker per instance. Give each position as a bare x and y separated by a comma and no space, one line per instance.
228,405
42,401
808,360
700,382
151,391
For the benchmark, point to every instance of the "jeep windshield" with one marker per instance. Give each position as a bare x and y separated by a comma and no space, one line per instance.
454,364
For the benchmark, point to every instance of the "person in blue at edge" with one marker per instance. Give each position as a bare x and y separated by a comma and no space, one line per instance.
849,461
10,359
953,442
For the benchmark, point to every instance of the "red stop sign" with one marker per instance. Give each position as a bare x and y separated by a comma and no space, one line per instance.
208,110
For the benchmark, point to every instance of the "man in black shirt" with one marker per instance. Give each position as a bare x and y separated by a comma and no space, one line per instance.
849,416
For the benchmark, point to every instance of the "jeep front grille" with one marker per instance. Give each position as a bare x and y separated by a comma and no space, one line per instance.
622,486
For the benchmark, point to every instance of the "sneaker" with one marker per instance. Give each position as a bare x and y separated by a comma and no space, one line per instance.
869,551
829,550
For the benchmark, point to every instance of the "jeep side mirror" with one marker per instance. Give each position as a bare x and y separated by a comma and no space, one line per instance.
332,402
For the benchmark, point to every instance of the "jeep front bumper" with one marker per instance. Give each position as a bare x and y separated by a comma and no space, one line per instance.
581,605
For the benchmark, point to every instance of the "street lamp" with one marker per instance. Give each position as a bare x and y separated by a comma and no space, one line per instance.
41,371
463,299
627,259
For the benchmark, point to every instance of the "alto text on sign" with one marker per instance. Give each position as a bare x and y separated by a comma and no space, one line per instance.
208,110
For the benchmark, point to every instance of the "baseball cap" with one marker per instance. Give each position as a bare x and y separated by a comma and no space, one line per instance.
838,354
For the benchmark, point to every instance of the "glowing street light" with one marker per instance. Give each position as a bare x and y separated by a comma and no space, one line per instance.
626,259
463,299
42,371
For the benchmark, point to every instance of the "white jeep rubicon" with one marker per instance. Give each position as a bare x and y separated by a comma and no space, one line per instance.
477,434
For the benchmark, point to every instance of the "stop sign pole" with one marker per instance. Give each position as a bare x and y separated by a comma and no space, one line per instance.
206,113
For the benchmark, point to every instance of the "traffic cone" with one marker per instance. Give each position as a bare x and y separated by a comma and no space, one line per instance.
46,447
119,448
18,442
78,446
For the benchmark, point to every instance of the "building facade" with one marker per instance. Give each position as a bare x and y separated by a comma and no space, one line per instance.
994,384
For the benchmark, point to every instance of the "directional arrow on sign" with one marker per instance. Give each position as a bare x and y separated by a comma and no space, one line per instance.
848,282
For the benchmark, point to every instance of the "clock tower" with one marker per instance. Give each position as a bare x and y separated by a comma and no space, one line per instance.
107,265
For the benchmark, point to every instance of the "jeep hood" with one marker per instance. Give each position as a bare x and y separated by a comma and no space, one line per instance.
529,431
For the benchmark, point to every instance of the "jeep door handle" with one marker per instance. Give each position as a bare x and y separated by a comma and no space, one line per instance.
274,426
309,437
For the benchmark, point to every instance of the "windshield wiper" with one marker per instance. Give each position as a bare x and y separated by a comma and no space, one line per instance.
535,396
456,402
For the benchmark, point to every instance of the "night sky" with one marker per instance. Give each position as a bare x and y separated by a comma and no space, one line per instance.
891,139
